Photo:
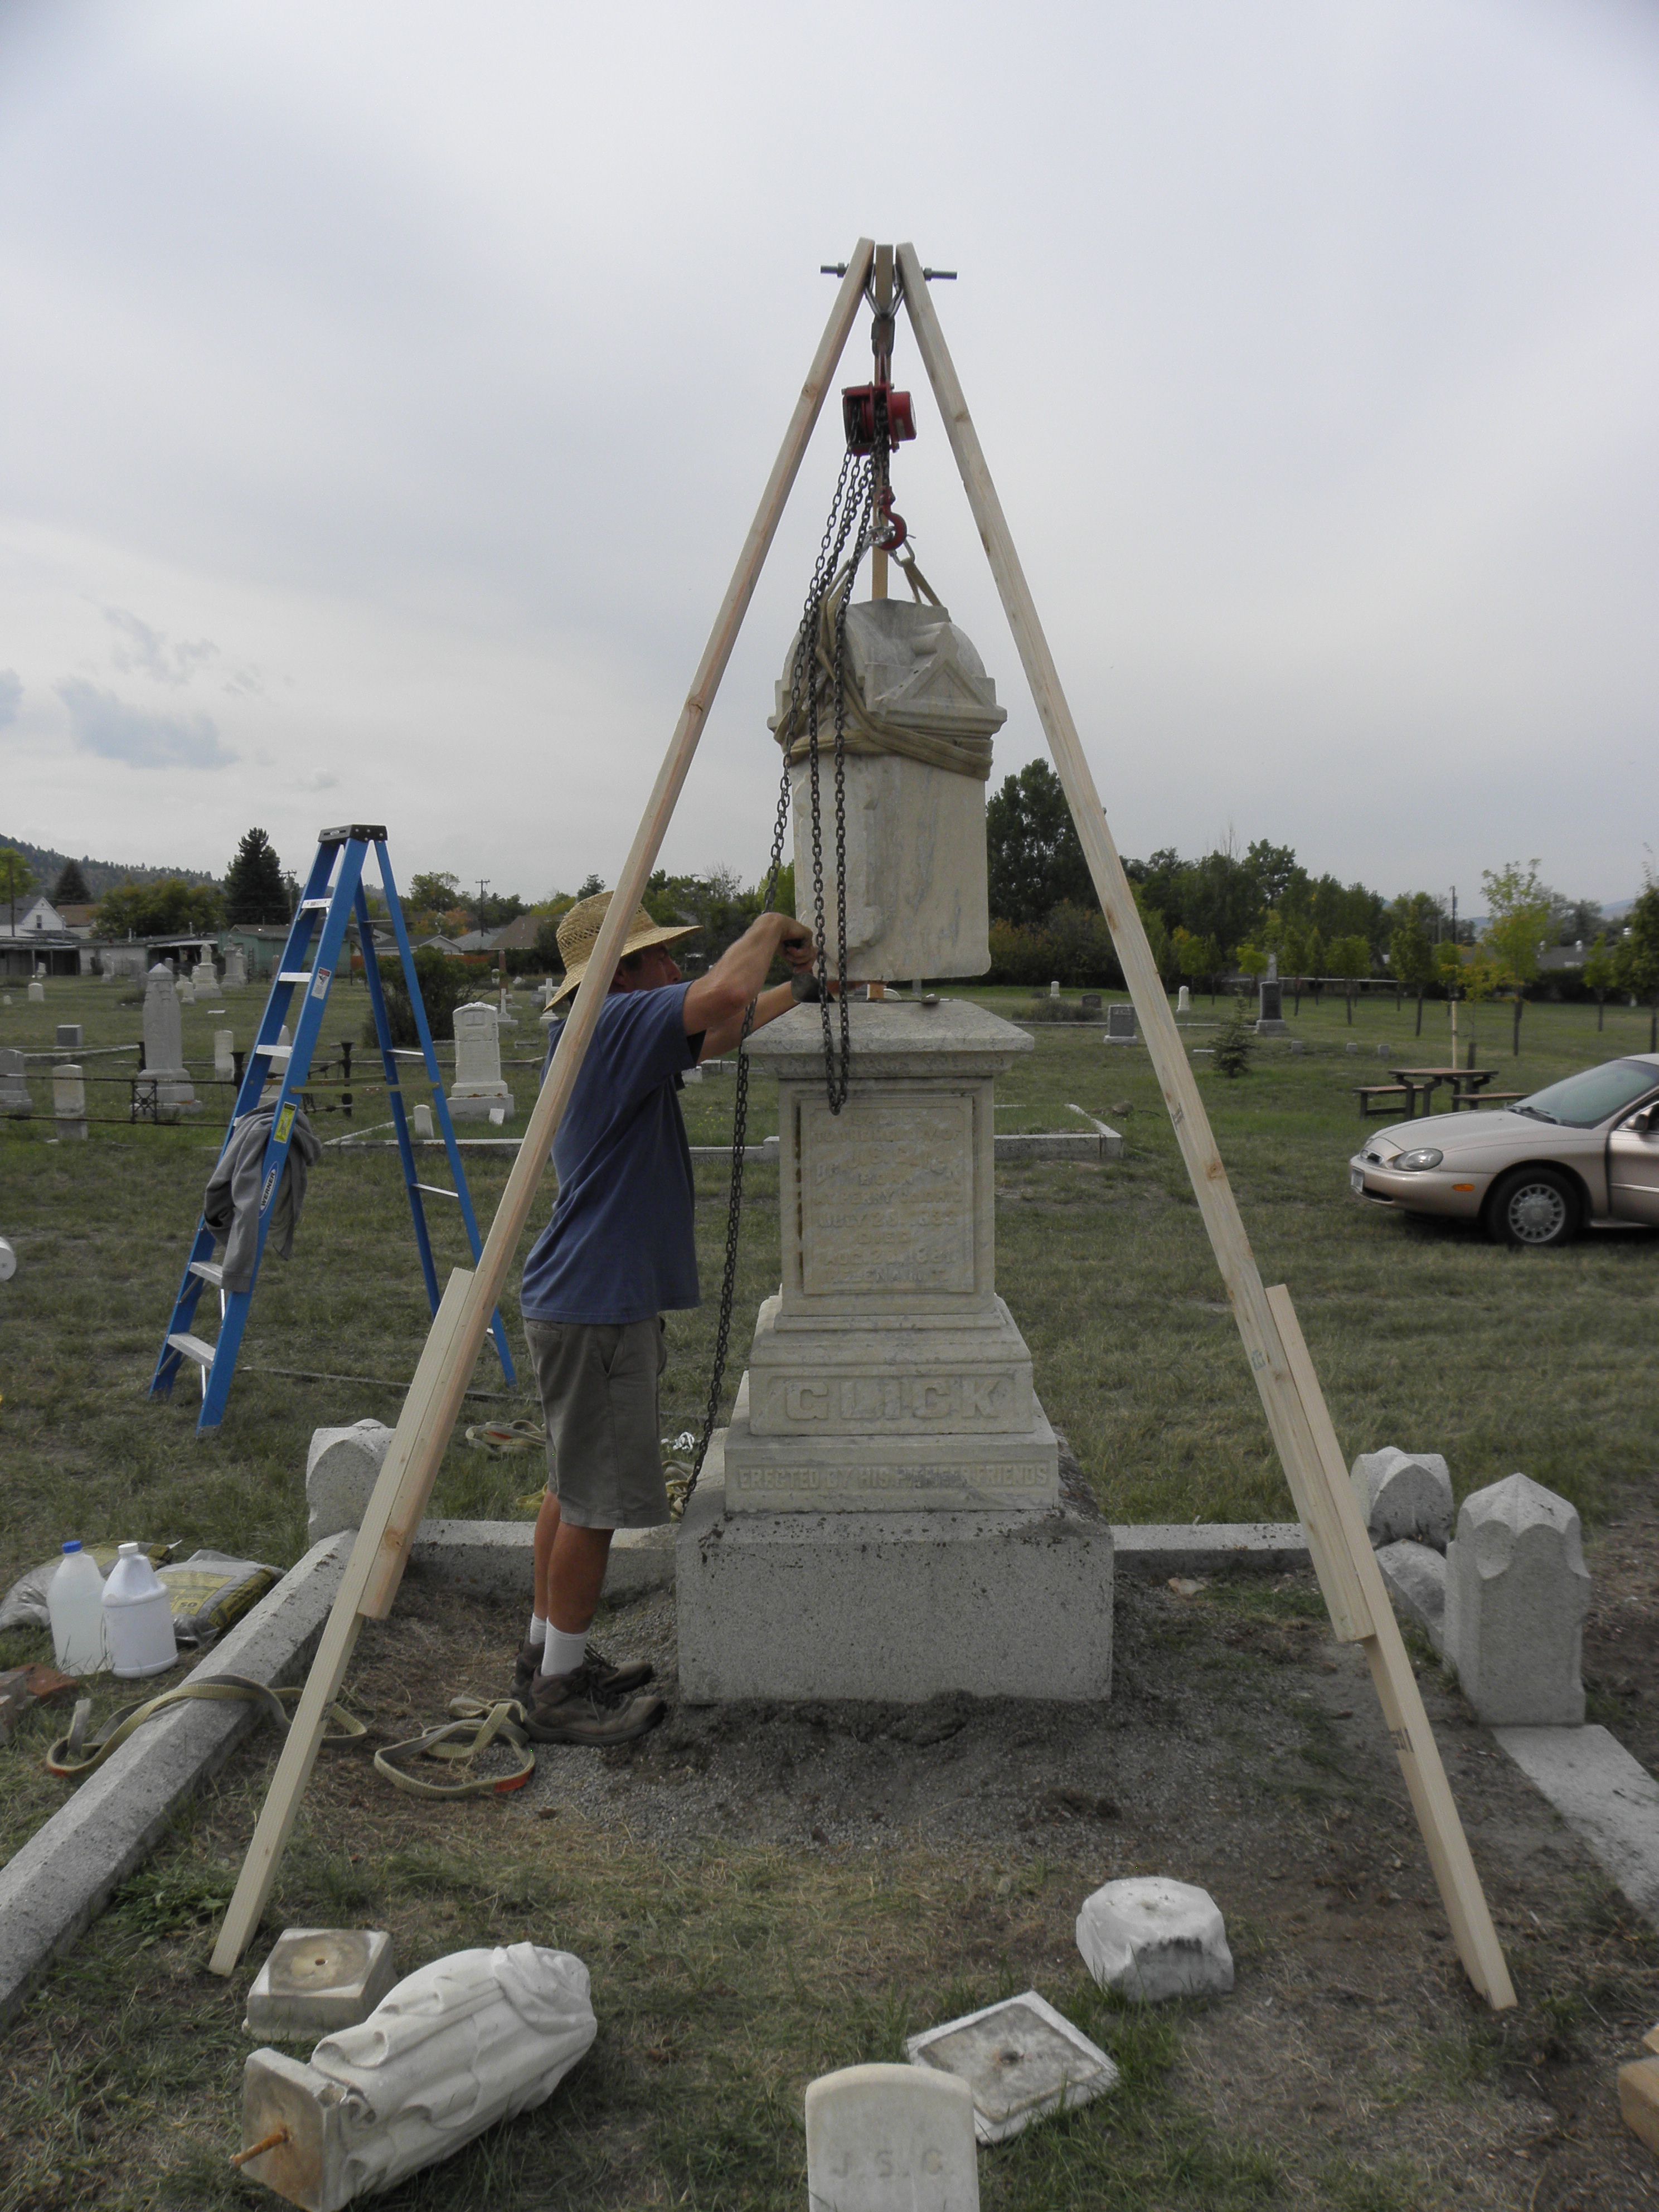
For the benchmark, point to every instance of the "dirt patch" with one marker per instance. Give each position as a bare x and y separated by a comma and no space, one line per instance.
1243,1750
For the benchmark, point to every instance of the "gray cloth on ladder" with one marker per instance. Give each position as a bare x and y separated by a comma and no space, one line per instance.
230,1206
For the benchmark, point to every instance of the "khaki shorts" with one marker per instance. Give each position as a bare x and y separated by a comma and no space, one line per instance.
598,1389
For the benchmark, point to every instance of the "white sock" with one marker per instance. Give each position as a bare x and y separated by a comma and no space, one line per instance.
562,1654
537,1629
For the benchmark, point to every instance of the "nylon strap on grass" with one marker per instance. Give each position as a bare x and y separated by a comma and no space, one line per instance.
76,1754
475,1726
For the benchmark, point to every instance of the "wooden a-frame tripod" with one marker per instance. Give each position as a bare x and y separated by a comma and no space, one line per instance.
1306,1441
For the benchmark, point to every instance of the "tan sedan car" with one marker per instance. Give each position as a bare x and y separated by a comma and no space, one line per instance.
1582,1151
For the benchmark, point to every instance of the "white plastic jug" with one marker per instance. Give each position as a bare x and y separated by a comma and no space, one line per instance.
138,1616
75,1604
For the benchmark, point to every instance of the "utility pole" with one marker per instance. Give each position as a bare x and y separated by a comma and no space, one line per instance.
483,885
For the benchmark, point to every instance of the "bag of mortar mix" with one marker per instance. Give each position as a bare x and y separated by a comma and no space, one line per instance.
208,1592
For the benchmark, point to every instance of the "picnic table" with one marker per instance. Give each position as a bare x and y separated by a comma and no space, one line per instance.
1466,1084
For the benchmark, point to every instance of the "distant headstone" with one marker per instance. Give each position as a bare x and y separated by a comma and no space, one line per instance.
1404,1494
1297,1045
1120,1025
1090,1002
165,1073
1270,1004
477,1090
1150,1938
423,1120
69,1100
342,1468
891,2139
204,976
224,1051
14,1091
1351,1049
1183,1000
235,969
1381,1052
37,994
185,991
1516,1594
1054,990
69,1036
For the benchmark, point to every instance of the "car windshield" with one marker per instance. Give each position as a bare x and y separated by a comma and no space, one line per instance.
1581,1101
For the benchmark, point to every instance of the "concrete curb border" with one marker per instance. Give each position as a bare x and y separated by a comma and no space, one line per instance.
59,1882
1609,1800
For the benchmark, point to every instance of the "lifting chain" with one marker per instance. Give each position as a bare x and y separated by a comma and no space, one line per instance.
851,515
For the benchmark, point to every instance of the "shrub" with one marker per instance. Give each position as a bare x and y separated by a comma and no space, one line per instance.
1234,1042
448,980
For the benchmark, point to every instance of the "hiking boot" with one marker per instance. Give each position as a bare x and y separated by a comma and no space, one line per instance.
578,1708
616,1675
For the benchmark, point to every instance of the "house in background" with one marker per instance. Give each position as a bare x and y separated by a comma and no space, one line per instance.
40,939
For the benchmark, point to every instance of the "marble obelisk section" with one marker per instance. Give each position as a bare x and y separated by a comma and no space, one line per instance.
887,1374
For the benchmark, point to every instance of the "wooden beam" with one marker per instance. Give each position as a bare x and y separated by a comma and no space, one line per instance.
1400,1698
1337,1565
428,1415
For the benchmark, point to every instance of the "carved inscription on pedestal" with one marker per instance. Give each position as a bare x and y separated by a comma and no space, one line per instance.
867,1404
887,1195
937,1483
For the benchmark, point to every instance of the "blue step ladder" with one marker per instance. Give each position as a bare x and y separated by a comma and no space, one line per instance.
318,940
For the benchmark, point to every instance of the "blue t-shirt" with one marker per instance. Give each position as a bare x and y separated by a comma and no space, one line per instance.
620,1247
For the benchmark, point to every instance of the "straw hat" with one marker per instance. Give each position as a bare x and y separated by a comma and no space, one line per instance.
578,933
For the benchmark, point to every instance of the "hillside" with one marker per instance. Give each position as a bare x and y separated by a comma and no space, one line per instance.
46,862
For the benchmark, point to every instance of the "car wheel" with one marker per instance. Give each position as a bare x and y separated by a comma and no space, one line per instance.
1537,1208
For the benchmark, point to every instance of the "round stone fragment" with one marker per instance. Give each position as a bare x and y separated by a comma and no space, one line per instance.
1151,1938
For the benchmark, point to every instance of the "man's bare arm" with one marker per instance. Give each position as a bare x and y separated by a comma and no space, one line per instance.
714,1004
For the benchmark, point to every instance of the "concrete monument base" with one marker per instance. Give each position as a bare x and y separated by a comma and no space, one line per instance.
897,1607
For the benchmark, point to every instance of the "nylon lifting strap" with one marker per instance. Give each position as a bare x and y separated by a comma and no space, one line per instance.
76,1754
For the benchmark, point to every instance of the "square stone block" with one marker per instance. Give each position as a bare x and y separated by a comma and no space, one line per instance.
1020,2059
318,1979
899,1607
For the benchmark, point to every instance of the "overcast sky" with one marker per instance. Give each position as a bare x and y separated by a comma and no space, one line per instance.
387,389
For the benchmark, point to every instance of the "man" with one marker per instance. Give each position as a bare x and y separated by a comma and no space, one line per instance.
619,1253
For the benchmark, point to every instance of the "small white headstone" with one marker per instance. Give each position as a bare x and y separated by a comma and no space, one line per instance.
891,2139
235,969
1183,1000
423,1120
224,1049
37,994
342,1468
1404,1494
69,1100
1518,1590
478,1094
1150,1938
1020,2059
186,991
1351,1049
1054,990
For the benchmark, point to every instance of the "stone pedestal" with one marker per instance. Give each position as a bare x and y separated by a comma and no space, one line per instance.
165,1073
478,1094
883,1518
235,970
886,1372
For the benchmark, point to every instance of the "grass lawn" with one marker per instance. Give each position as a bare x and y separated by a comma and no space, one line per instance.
1426,1337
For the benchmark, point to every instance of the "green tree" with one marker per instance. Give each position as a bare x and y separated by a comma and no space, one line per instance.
1600,974
1639,956
1410,955
1253,959
1034,857
1234,1042
432,892
171,908
71,888
1348,959
1519,920
254,892
15,877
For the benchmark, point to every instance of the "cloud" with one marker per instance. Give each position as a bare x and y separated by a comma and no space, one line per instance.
106,724
147,652
11,692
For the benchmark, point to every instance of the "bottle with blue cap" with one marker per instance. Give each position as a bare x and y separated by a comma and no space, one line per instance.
75,1604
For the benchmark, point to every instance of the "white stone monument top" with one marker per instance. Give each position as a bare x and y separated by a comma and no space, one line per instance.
1150,1938
1019,2059
891,2139
478,1091
1516,1594
892,1038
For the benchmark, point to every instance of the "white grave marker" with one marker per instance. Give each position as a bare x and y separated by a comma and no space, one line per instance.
224,1051
37,994
478,1094
891,2139
164,1047
69,1100
14,1091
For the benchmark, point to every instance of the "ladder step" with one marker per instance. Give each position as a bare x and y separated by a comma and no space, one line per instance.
437,1190
193,1347
293,975
275,1051
211,1271
315,906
